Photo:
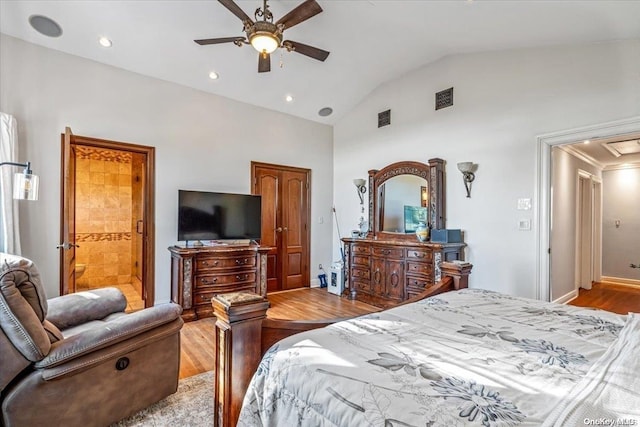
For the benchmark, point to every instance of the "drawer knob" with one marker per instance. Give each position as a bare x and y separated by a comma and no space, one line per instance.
418,254
242,261
210,264
211,280
241,276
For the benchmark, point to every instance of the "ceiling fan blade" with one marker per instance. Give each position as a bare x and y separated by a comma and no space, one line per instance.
235,9
203,42
301,13
264,62
310,51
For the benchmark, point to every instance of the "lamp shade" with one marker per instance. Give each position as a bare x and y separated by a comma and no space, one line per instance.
465,167
25,186
359,182
264,42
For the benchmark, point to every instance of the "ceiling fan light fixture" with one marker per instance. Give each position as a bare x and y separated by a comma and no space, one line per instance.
264,42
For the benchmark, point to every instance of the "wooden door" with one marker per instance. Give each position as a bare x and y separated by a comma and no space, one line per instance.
68,208
67,244
377,276
285,223
395,280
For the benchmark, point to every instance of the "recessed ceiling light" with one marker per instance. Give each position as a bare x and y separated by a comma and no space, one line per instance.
288,98
586,141
45,26
214,76
105,42
326,111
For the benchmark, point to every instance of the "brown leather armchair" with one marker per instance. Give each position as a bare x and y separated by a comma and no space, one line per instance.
79,360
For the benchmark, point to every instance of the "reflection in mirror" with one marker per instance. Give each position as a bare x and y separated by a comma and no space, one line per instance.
403,203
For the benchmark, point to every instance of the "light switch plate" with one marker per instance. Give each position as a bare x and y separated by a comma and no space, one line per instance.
524,224
524,204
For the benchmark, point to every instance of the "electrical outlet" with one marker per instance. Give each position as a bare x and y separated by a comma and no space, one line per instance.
524,224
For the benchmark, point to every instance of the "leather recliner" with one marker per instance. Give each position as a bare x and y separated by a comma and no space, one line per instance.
79,359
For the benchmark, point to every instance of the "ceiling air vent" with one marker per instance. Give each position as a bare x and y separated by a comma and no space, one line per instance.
620,148
444,98
384,118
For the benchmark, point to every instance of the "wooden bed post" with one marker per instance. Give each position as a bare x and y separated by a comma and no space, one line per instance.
459,273
238,351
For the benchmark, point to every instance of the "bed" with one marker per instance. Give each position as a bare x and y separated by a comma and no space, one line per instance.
467,357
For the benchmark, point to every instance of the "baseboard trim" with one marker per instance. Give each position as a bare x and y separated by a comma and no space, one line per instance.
620,281
567,298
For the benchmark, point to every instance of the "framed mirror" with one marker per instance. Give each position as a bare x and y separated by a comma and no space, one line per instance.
402,195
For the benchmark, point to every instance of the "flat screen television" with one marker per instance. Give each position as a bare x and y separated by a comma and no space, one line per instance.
218,216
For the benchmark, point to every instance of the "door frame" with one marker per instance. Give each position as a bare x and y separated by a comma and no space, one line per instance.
588,201
306,275
148,195
543,192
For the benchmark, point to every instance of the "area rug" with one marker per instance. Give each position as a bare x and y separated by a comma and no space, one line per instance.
190,406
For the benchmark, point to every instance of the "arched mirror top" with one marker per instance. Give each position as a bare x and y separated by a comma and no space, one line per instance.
402,194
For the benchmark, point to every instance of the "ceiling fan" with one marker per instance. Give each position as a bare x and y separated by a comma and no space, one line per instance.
266,37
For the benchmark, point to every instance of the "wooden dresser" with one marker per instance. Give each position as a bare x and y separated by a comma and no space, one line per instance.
197,274
386,272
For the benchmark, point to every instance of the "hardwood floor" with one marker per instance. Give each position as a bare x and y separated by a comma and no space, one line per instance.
197,347
314,304
617,298
198,340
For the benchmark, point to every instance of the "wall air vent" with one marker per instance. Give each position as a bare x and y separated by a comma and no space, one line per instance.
384,118
444,98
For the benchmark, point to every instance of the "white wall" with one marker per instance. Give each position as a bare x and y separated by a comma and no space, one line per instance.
203,142
621,245
502,101
564,177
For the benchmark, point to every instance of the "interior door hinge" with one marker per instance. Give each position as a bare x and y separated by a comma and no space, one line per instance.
549,251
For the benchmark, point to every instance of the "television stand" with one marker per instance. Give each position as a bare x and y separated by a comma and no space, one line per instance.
199,273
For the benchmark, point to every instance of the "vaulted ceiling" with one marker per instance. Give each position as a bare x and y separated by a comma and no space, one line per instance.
371,42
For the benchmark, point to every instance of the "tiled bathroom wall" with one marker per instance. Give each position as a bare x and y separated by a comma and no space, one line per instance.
103,216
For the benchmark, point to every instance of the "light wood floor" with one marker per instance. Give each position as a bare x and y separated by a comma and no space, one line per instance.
617,298
197,338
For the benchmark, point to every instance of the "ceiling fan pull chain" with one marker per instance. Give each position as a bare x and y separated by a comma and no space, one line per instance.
281,61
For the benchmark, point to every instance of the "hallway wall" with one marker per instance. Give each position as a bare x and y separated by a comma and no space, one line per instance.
564,177
621,245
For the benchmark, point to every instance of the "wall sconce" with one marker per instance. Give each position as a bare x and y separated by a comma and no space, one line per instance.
468,176
360,185
25,184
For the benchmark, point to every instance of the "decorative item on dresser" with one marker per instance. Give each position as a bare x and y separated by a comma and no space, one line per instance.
199,273
392,264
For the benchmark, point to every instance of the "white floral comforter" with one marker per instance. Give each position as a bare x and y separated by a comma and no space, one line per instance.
470,357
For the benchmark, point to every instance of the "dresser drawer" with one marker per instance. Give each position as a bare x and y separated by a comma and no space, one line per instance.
419,255
360,250
204,297
361,286
209,264
360,273
388,252
360,260
419,268
225,279
418,282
